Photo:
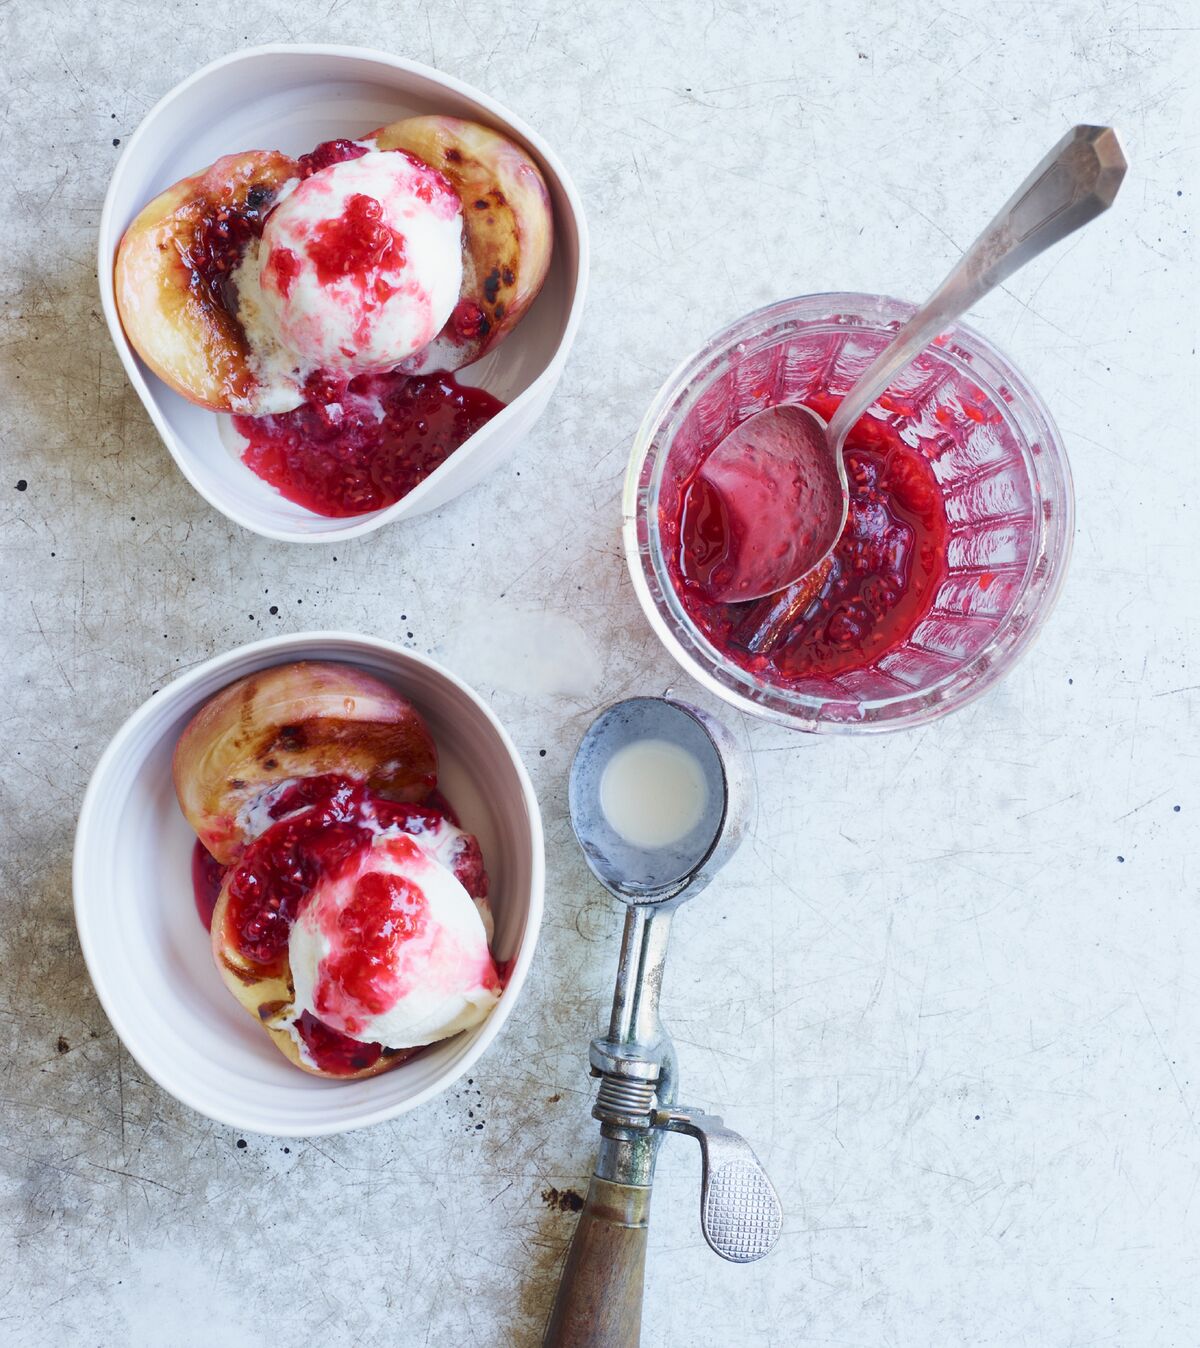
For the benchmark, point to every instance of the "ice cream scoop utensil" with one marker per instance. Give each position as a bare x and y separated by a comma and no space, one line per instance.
600,1295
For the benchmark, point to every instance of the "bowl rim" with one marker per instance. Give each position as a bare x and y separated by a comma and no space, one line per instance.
742,691
86,907
334,52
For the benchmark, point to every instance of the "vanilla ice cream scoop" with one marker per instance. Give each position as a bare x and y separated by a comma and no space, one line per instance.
392,950
361,264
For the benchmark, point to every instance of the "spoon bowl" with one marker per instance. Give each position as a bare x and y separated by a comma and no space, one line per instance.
765,506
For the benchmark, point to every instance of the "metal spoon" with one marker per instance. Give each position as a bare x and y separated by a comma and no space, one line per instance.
771,500
599,1302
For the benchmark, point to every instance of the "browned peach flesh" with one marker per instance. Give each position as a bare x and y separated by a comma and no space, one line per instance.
171,265
508,231
297,720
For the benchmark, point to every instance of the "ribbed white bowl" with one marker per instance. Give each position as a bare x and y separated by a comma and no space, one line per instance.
291,98
148,953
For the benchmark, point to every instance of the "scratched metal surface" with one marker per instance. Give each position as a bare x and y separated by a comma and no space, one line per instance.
948,988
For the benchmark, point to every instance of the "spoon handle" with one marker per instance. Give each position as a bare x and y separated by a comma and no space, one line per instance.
1077,180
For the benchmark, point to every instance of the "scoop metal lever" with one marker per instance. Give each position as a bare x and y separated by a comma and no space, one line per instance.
600,1295
740,1212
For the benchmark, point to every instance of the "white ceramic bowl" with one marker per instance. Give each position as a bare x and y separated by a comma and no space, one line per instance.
148,953
291,98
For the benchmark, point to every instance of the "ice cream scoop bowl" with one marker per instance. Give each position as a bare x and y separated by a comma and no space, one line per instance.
600,1295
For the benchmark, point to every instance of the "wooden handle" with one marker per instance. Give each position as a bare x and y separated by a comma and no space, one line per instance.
599,1302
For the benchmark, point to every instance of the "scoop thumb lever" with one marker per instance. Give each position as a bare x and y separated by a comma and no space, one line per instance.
740,1212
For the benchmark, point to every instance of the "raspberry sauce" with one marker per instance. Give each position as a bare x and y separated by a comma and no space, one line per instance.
864,600
219,241
207,877
328,153
355,243
323,824
340,1055
364,446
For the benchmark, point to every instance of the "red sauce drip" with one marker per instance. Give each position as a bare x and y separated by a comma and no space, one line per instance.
333,1051
207,877
284,267
877,585
384,912
355,243
219,242
328,153
386,435
468,320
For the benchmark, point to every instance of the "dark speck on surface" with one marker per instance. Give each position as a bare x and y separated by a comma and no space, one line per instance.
241,1144
21,484
563,1200
62,1046
541,753
116,140
1178,808
274,609
1120,858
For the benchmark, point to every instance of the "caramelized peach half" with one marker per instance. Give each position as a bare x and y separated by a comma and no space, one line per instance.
508,231
298,720
172,273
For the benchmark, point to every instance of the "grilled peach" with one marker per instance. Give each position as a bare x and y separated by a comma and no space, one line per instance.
172,277
508,230
299,720
324,831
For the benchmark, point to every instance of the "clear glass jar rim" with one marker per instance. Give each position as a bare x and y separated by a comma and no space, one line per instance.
1050,481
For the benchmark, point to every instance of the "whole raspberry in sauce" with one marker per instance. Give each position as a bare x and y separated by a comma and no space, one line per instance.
328,153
